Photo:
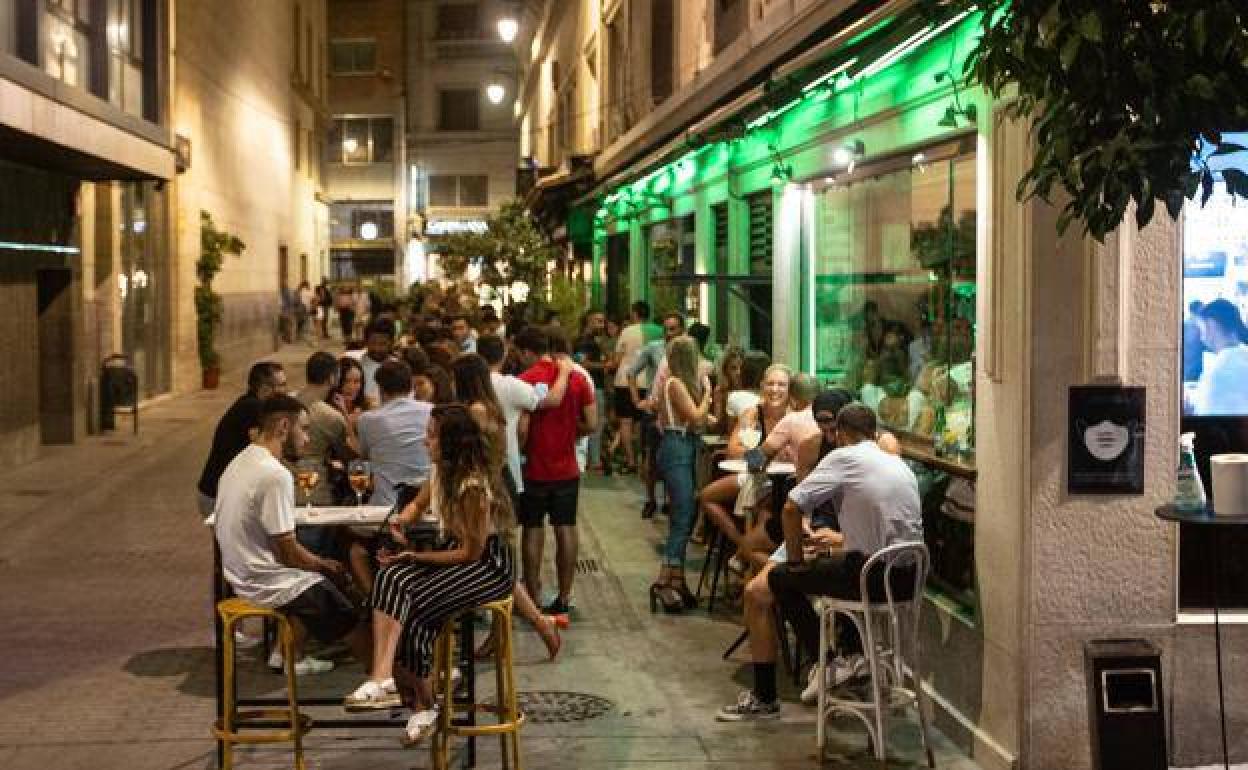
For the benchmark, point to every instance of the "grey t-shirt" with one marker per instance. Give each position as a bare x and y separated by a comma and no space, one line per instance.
875,494
393,438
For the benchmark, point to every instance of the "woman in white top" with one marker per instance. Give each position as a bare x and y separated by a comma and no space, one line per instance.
683,405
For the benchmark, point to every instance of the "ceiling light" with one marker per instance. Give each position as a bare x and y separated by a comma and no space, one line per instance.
848,153
350,145
495,93
507,29
368,231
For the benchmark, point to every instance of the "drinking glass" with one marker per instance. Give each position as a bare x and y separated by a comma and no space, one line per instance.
307,473
750,437
360,475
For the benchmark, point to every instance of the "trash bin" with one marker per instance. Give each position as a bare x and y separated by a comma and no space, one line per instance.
119,387
1127,721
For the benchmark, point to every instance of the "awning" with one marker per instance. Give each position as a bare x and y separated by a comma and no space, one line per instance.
551,197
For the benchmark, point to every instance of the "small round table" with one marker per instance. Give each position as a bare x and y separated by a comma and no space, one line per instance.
1207,517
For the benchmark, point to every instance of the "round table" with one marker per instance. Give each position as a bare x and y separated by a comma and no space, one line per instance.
774,468
1207,517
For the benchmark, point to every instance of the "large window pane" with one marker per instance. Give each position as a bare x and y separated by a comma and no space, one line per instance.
459,110
8,26
458,21
895,297
382,139
474,190
673,283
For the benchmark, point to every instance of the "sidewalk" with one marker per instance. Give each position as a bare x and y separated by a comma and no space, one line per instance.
107,640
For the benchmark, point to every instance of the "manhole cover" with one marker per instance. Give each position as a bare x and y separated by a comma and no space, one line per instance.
555,706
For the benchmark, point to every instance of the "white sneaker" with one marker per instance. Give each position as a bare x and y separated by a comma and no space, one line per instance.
371,696
311,665
275,660
421,725
245,641
836,673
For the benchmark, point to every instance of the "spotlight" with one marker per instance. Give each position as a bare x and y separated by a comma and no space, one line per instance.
495,93
848,153
507,29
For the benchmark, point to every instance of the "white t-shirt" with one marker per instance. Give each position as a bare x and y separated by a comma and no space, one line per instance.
1221,388
371,389
632,340
255,501
738,401
515,396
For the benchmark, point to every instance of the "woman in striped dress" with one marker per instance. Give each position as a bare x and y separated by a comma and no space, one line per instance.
416,592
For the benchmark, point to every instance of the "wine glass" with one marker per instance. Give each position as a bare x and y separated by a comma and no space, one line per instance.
307,473
360,475
750,437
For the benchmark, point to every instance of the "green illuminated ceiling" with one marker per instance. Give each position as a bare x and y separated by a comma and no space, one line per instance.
900,70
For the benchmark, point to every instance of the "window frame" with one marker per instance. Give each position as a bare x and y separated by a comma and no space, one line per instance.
338,125
354,71
443,93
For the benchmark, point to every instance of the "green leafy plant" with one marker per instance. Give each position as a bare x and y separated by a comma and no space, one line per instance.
511,249
214,244
1121,95
569,298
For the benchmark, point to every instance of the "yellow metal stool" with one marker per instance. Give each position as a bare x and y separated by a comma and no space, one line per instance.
509,718
228,729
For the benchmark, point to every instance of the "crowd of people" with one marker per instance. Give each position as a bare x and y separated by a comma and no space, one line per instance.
481,427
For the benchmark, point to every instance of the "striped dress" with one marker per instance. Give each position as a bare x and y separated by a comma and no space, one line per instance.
423,596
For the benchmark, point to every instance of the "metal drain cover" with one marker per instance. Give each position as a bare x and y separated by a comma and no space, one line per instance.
554,706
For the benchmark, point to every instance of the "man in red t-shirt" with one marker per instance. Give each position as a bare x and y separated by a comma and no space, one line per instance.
552,477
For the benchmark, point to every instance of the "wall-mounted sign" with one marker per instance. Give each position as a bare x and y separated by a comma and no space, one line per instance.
449,226
1105,453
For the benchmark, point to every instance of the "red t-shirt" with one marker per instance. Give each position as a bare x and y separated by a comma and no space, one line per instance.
550,452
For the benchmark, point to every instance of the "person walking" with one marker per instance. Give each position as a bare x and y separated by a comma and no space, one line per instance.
551,474
345,302
627,348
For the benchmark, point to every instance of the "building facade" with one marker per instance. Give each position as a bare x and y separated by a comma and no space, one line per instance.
250,98
365,154
84,210
461,140
814,180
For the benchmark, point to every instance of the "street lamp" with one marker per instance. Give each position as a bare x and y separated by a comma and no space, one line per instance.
495,92
507,28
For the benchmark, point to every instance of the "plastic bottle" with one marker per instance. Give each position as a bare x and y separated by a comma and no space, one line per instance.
1190,492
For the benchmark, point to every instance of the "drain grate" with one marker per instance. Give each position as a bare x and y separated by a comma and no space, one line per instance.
555,706
587,567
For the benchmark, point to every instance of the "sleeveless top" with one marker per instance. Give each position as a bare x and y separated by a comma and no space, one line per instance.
672,424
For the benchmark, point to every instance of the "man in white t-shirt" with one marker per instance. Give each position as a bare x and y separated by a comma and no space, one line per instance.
627,348
1221,389
260,557
517,398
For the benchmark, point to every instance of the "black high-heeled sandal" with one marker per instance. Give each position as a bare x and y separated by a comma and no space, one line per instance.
662,594
686,596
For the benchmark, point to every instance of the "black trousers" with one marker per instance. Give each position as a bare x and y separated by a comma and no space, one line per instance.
837,575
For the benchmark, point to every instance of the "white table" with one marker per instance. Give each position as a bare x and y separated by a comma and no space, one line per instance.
775,468
340,515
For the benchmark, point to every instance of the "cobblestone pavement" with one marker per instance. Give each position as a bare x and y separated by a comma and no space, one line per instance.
106,656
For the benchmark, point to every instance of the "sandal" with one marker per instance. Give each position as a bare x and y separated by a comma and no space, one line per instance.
373,696
420,726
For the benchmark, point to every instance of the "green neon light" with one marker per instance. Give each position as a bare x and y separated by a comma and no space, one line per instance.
825,77
663,181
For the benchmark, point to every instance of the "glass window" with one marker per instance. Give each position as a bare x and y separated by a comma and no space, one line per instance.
442,190
65,41
459,110
353,57
361,140
895,296
125,54
459,21
8,26
474,190
672,245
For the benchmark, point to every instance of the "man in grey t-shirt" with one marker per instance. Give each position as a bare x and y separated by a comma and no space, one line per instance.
393,436
876,497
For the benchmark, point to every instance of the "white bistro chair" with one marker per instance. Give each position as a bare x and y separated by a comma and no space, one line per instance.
889,631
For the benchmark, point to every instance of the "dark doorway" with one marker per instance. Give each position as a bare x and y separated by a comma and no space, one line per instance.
618,293
56,356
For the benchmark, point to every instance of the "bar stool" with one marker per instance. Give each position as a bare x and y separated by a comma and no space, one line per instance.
505,708
228,729
883,627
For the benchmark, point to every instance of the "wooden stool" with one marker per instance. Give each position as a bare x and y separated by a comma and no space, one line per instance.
507,727
228,729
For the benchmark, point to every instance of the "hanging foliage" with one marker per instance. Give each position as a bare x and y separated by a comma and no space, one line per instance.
1122,95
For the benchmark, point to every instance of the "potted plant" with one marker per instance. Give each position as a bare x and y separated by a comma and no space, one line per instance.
214,244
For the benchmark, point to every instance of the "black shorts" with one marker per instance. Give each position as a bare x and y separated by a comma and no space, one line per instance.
557,499
650,433
625,409
324,612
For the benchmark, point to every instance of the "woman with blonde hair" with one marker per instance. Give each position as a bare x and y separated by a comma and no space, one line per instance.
683,401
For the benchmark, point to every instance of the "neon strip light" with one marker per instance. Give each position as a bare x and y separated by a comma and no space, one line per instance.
825,77
44,247
915,41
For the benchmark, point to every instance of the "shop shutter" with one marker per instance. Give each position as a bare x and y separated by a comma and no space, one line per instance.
760,232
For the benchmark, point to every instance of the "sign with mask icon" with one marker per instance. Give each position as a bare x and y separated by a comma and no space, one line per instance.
1105,455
